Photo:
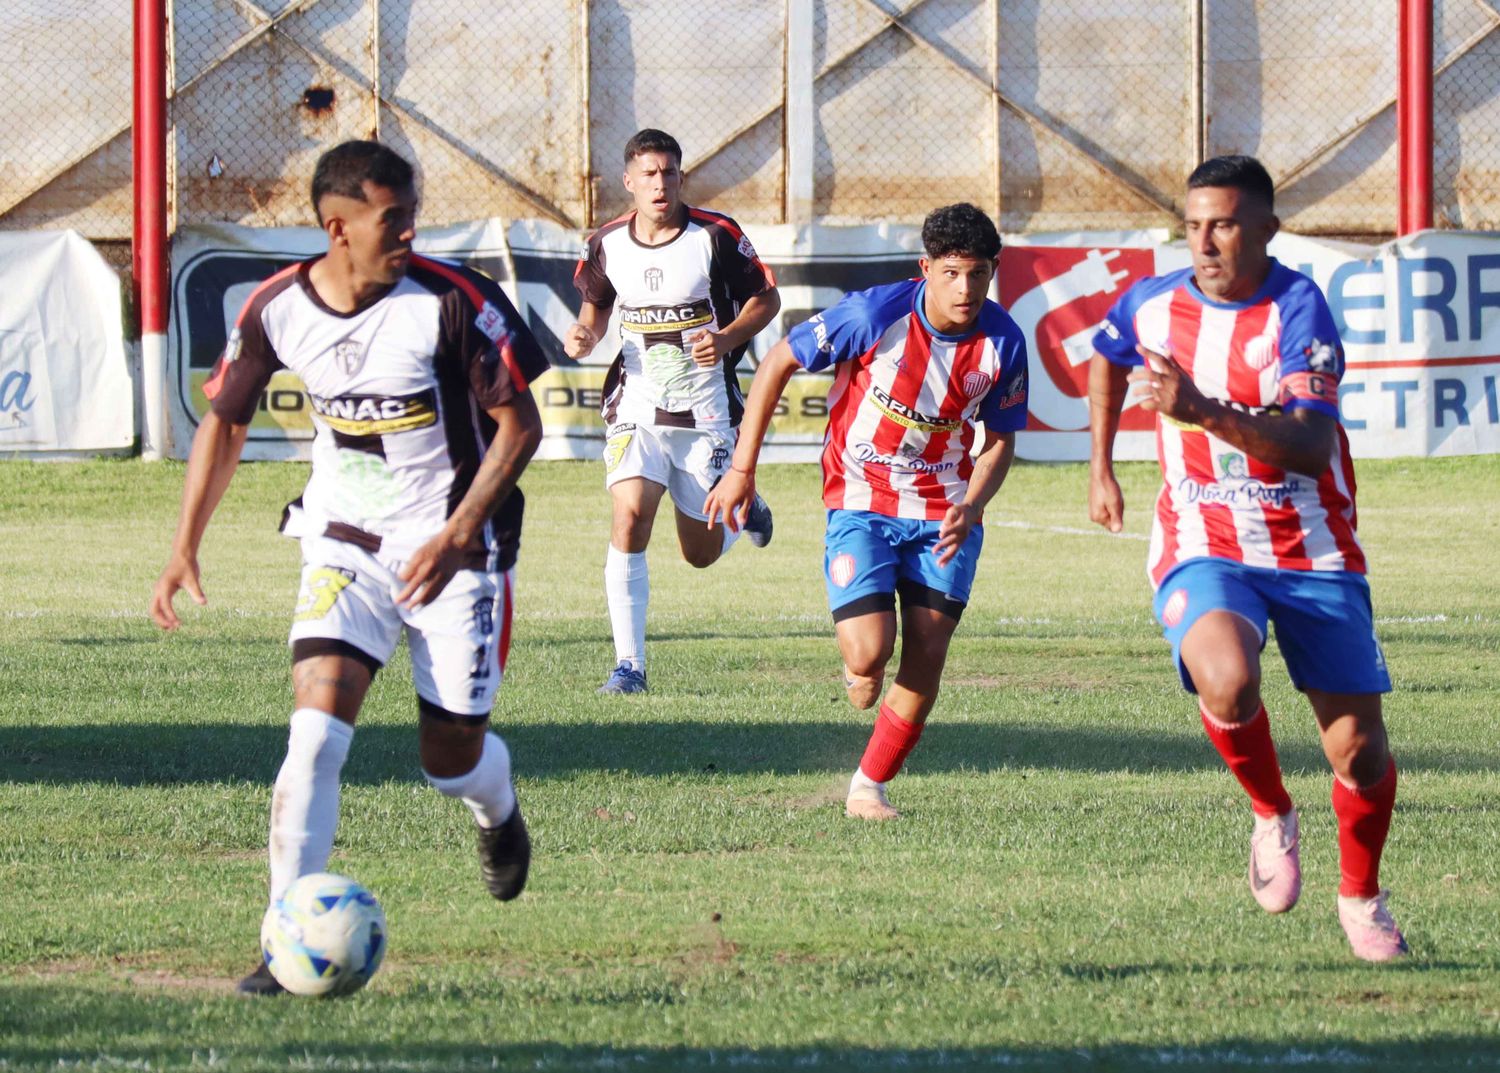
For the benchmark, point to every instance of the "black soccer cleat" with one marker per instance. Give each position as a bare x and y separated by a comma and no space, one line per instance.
505,856
259,983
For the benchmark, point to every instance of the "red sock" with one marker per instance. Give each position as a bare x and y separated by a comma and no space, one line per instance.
1364,816
1248,750
891,741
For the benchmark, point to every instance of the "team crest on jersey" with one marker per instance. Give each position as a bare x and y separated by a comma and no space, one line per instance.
747,251
976,384
841,571
232,348
349,355
654,276
1260,352
1173,610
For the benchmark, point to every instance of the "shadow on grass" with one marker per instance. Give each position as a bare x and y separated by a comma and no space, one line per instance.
200,1031
174,754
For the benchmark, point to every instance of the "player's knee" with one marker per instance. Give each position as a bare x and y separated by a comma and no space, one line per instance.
700,557
1230,694
449,744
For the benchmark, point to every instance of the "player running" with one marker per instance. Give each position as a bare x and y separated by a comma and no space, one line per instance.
691,294
417,371
917,364
1239,358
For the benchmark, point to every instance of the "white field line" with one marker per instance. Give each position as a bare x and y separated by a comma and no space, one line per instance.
1067,530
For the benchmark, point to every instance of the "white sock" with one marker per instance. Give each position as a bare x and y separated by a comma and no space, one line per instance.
628,589
861,781
305,802
486,789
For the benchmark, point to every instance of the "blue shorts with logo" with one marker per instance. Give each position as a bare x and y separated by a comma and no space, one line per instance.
1324,625
869,557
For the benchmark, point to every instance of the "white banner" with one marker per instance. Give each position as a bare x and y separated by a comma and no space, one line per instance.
65,377
1420,319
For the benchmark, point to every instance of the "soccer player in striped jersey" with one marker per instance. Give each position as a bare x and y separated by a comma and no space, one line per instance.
417,372
691,294
917,365
1239,358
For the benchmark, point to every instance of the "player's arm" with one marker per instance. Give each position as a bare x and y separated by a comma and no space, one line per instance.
1108,382
214,456
990,468
732,496
518,433
1300,440
757,312
583,334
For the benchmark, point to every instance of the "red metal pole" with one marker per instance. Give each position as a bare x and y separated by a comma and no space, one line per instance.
1414,116
149,171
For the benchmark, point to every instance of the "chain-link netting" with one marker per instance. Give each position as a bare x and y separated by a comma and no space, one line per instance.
65,78
1056,115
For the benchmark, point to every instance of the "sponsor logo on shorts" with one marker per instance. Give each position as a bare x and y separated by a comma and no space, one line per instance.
320,590
718,458
976,384
377,415
841,571
1172,611
616,446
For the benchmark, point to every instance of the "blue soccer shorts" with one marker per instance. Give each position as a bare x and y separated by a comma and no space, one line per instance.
868,558
1324,626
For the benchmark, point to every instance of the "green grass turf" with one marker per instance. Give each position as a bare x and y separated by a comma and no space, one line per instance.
1065,891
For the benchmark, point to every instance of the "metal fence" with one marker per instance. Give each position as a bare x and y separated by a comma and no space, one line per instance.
1057,116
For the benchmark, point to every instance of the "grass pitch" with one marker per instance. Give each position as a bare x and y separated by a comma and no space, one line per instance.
1066,890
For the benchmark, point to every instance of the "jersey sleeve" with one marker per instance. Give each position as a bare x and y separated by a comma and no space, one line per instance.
590,278
1116,338
851,327
245,368
1004,406
488,338
1312,355
745,274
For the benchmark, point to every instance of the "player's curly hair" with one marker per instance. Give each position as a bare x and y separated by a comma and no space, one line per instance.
652,140
345,168
961,230
1239,172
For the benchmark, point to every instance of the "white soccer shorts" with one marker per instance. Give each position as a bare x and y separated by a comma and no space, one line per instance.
459,642
685,461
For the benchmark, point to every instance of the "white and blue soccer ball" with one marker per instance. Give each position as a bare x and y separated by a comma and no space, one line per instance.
325,936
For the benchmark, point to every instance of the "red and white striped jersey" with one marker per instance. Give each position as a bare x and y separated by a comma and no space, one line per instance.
1276,352
905,398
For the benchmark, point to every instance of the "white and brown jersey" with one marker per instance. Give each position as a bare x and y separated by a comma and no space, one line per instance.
669,295
399,392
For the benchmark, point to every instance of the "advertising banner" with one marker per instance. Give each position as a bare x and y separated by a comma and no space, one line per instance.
1420,320
65,376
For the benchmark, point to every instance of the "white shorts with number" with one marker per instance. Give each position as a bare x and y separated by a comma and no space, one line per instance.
459,642
686,461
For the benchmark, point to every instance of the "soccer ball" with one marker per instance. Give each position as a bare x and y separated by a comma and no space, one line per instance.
325,936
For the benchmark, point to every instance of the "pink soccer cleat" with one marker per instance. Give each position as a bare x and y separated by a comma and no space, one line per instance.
1371,929
1275,869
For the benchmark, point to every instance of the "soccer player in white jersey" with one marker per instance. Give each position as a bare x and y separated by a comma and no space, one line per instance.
918,364
417,371
691,294
1239,358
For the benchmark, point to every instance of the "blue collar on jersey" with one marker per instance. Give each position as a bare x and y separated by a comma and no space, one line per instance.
1272,282
919,303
